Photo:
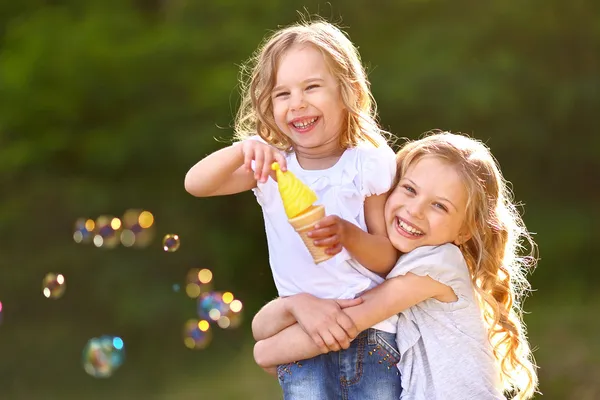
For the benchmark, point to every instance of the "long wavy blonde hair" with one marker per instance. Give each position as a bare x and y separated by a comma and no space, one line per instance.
258,75
499,253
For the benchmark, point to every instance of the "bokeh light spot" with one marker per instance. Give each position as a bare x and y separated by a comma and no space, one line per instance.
115,224
236,306
203,325
127,238
227,297
192,290
146,219
90,225
98,241
224,322
205,276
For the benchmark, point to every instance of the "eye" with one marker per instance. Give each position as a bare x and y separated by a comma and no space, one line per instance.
281,94
441,206
313,86
409,189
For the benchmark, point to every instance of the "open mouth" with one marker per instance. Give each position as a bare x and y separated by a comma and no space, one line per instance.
408,228
304,124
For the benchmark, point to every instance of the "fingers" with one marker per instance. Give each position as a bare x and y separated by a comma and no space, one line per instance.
266,168
334,250
340,336
259,160
330,241
329,220
248,156
323,232
346,323
281,160
320,343
345,303
330,340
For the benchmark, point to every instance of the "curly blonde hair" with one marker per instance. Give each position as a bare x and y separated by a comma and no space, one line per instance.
258,74
494,252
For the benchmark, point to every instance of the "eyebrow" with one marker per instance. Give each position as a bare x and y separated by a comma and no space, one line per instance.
439,197
309,80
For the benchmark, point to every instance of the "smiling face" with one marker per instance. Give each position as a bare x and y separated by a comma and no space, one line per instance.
307,105
428,207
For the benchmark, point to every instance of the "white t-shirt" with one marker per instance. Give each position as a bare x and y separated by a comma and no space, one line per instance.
444,347
360,172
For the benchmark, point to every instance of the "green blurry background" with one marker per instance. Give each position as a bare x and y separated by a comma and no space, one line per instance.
105,104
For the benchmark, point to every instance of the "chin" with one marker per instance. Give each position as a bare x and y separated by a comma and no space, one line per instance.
404,247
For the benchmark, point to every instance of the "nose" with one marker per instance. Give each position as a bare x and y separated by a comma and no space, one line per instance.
416,209
297,100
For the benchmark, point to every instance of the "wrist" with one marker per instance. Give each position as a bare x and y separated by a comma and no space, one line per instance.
291,303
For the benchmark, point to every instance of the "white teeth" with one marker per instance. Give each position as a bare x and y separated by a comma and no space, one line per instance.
305,123
409,228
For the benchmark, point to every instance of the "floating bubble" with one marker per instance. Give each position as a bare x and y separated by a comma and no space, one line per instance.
107,229
211,306
53,286
137,228
103,356
198,281
197,334
171,243
81,233
1,313
233,318
176,288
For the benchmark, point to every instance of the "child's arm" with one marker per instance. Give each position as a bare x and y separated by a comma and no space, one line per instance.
228,171
389,298
327,325
372,249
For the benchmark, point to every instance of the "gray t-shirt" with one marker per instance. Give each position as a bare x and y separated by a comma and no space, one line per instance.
446,353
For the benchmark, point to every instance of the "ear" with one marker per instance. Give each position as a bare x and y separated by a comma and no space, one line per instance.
462,238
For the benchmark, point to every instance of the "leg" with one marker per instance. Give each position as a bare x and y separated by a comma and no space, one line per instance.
369,369
309,379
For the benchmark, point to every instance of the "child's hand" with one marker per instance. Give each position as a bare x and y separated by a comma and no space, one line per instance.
263,156
330,232
324,321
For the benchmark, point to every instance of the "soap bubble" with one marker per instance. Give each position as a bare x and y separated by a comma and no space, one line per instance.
233,317
138,228
197,334
221,308
211,306
198,281
108,231
53,286
84,230
103,356
171,243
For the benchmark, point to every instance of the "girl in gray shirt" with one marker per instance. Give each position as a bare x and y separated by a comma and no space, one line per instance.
456,289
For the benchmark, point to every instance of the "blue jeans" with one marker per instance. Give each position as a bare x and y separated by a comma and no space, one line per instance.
365,371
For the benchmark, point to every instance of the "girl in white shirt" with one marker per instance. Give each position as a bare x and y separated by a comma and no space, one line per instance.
307,105
457,288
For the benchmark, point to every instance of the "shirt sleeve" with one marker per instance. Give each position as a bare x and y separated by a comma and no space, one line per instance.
444,264
378,169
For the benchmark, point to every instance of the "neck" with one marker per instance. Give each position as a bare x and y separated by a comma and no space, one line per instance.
318,158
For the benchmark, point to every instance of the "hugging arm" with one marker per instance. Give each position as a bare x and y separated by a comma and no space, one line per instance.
389,298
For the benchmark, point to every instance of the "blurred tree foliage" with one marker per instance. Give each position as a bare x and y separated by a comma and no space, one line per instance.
104,105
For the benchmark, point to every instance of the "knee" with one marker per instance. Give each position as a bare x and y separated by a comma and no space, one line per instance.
260,357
